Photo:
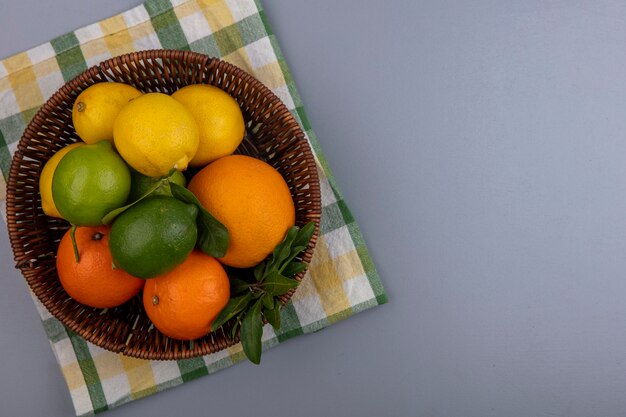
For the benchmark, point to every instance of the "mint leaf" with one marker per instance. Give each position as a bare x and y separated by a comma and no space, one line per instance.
277,284
283,249
268,301
212,235
238,286
294,268
234,306
304,235
251,333
110,216
236,326
273,316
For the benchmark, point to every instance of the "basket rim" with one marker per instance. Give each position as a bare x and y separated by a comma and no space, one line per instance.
26,265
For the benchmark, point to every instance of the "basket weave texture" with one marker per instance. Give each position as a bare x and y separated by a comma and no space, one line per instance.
272,135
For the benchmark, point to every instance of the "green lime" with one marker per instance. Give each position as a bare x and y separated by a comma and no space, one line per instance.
90,181
140,184
153,236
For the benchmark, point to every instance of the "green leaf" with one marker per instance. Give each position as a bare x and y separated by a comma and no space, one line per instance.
251,333
295,250
212,235
268,301
110,216
294,268
234,306
259,270
238,286
236,326
283,249
273,316
304,235
276,284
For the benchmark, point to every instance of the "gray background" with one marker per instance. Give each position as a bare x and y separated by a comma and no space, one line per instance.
482,147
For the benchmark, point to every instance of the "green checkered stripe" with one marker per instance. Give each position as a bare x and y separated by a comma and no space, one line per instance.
342,279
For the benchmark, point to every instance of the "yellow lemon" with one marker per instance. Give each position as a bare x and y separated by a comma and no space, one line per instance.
155,133
219,118
96,108
45,181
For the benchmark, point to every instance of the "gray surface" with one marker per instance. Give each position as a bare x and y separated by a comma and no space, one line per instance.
481,146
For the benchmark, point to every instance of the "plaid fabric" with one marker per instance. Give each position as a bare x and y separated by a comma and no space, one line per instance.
342,279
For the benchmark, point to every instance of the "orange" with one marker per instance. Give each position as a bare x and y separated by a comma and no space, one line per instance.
252,200
183,303
92,280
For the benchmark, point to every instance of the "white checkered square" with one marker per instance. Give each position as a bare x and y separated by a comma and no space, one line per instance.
283,94
88,33
195,26
64,352
50,83
358,290
115,388
96,350
309,310
81,400
135,16
164,371
261,52
216,357
8,104
3,70
328,195
41,53
96,59
241,9
41,309
148,42
339,242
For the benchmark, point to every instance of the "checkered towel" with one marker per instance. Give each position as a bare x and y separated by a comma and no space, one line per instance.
341,280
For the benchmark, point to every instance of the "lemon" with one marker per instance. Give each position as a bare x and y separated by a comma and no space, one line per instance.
45,181
96,108
153,236
155,133
219,118
89,182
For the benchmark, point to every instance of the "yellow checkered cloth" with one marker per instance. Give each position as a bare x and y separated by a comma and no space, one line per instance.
342,279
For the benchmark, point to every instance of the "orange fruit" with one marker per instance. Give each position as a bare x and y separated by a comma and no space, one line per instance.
183,303
252,200
92,280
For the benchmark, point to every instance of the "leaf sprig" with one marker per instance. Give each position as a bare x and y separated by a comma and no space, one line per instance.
256,297
213,236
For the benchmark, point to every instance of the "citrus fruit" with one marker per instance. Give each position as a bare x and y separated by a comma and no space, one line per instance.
88,182
96,108
92,280
141,184
219,118
153,236
45,180
252,200
183,303
155,133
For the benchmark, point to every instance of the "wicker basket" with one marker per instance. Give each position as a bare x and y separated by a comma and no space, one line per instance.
272,135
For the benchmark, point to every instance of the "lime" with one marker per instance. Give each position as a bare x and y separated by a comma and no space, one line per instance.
45,180
153,236
140,184
90,181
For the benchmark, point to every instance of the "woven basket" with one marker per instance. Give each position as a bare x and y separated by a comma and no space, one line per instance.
272,135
